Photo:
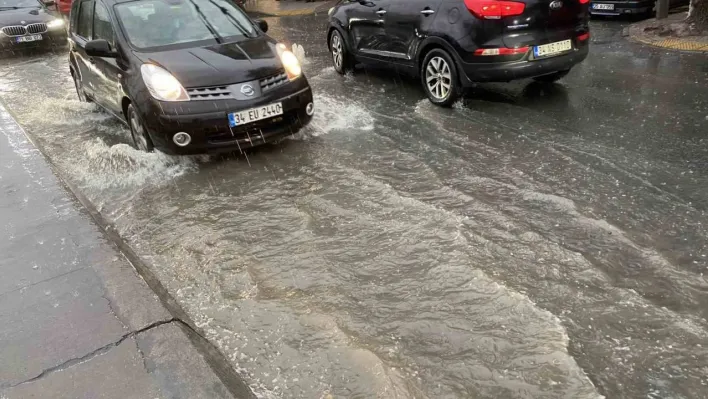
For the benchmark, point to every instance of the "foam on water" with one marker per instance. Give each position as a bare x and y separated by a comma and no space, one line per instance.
102,166
334,114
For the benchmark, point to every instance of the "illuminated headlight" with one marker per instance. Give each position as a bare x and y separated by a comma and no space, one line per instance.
55,23
331,10
290,62
162,85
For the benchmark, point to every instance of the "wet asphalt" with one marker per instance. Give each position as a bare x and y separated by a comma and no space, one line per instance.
532,241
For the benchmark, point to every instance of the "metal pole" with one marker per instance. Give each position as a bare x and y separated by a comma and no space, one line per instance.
662,9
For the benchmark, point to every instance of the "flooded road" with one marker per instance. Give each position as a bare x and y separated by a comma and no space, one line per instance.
533,241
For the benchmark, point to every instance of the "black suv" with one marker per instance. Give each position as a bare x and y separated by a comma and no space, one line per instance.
187,76
452,43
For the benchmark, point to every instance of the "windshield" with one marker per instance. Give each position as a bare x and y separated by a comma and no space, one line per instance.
159,23
16,4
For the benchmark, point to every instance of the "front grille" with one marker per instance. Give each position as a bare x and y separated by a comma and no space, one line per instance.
14,30
19,30
225,92
36,28
210,93
274,81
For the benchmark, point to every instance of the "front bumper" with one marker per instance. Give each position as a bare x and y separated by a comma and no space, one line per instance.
623,7
525,67
50,38
207,121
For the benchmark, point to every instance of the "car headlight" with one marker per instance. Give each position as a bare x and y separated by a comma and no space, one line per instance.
290,62
55,23
162,85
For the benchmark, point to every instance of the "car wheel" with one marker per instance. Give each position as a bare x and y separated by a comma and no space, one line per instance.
439,77
553,77
340,55
79,88
141,139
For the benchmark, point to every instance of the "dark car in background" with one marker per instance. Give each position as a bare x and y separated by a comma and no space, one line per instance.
29,23
450,44
187,76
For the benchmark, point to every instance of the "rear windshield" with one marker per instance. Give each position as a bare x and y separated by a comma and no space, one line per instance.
152,24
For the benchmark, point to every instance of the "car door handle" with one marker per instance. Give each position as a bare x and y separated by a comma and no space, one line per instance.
381,12
427,12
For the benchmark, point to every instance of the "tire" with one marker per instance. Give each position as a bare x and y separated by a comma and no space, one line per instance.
79,89
438,74
340,54
553,77
141,138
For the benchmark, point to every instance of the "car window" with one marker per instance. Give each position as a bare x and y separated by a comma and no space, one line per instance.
102,28
83,28
74,16
159,23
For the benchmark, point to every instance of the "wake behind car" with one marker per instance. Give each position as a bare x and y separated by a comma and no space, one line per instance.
450,44
187,76
28,23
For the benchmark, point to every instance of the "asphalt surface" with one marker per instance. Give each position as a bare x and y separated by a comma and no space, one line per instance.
76,321
533,241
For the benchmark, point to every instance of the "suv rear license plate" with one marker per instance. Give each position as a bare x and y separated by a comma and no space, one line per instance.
552,48
255,114
29,38
600,6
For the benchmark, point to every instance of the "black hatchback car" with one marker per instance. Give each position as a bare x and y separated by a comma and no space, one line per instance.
187,76
28,23
452,43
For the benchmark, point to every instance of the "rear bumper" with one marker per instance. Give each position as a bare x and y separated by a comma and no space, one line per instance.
623,7
210,130
523,68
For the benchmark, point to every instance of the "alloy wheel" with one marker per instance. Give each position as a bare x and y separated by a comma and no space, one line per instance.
138,132
337,55
79,91
438,78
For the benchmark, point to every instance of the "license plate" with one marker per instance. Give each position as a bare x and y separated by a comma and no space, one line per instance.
600,6
552,48
29,38
255,114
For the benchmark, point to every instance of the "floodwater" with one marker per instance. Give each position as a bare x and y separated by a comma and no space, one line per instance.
533,241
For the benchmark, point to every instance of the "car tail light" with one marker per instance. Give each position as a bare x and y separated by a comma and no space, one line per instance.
584,1
501,51
494,9
585,36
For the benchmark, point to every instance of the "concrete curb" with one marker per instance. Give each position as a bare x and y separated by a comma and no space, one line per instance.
215,359
638,34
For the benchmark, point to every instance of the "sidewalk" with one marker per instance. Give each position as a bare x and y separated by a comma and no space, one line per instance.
659,33
283,8
76,321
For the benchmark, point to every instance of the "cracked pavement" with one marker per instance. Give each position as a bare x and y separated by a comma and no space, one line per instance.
76,320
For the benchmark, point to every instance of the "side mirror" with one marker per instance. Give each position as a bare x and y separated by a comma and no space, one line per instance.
50,3
263,25
100,48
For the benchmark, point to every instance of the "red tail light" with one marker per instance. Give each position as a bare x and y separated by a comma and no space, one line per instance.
495,9
584,1
584,37
501,51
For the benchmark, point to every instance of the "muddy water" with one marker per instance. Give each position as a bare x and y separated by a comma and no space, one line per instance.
530,242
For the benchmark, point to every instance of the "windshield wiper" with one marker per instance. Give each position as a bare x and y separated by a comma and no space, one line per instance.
234,21
10,8
209,26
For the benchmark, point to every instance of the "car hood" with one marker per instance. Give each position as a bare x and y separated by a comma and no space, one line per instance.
219,64
28,15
